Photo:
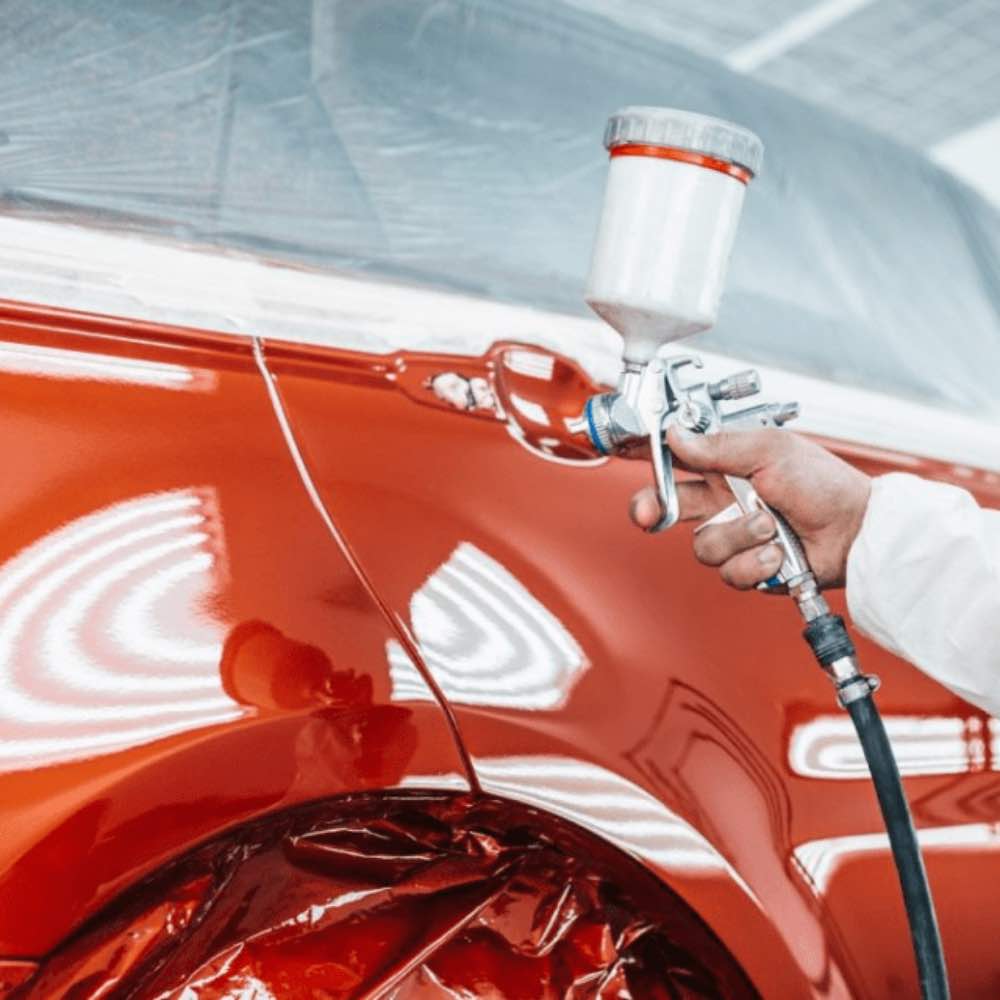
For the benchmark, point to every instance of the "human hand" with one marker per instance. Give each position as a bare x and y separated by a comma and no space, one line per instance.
821,496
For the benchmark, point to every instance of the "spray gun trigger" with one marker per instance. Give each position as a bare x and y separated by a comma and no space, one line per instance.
663,470
654,406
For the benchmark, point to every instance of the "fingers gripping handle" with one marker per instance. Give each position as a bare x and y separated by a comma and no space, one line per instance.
794,564
652,397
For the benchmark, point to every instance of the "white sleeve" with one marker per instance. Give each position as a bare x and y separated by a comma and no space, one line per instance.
923,580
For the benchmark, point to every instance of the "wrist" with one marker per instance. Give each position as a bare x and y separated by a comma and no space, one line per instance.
855,510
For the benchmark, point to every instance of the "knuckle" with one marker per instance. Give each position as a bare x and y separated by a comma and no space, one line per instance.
747,569
709,548
718,543
756,528
776,444
779,438
722,444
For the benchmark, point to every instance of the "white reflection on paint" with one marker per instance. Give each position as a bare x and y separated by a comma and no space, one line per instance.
529,409
487,640
534,364
827,746
604,802
820,859
56,362
446,779
101,642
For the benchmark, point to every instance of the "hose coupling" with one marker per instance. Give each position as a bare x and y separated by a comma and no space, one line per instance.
858,687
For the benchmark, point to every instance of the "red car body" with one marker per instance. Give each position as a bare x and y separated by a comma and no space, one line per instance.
189,649
309,597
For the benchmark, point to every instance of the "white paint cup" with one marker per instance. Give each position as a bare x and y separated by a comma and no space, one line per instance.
672,203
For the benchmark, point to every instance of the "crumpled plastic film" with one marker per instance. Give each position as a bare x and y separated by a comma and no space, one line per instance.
458,143
398,895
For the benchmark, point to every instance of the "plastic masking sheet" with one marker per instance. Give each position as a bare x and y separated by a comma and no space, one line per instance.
457,143
400,895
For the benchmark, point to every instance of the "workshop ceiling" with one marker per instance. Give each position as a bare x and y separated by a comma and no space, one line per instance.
921,71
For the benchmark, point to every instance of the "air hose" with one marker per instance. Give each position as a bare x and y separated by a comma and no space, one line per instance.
827,636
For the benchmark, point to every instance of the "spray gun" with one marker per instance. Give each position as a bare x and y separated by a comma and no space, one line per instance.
653,397
674,194
675,190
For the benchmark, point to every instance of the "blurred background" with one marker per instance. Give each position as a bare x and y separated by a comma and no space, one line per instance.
457,144
924,72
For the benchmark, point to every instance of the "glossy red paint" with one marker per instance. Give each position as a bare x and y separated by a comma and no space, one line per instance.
183,645
673,691
14,973
159,547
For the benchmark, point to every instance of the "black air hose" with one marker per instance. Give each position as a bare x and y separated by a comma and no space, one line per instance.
905,850
831,643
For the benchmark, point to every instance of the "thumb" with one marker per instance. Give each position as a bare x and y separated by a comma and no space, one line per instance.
736,453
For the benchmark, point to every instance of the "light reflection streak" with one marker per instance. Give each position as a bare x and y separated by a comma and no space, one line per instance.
820,859
63,645
607,803
30,752
30,359
88,658
529,409
58,544
487,640
134,623
534,364
447,779
827,746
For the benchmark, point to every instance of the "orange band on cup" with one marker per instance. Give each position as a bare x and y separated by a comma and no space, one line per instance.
685,156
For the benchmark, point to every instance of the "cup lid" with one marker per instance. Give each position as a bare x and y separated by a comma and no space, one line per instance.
687,130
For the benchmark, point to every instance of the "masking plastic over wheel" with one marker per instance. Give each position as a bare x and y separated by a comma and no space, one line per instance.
399,895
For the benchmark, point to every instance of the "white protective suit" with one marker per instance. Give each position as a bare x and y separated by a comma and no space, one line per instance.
923,580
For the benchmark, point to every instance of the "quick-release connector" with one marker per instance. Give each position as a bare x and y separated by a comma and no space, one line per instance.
833,648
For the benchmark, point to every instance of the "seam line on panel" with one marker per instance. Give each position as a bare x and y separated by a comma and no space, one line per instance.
395,622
